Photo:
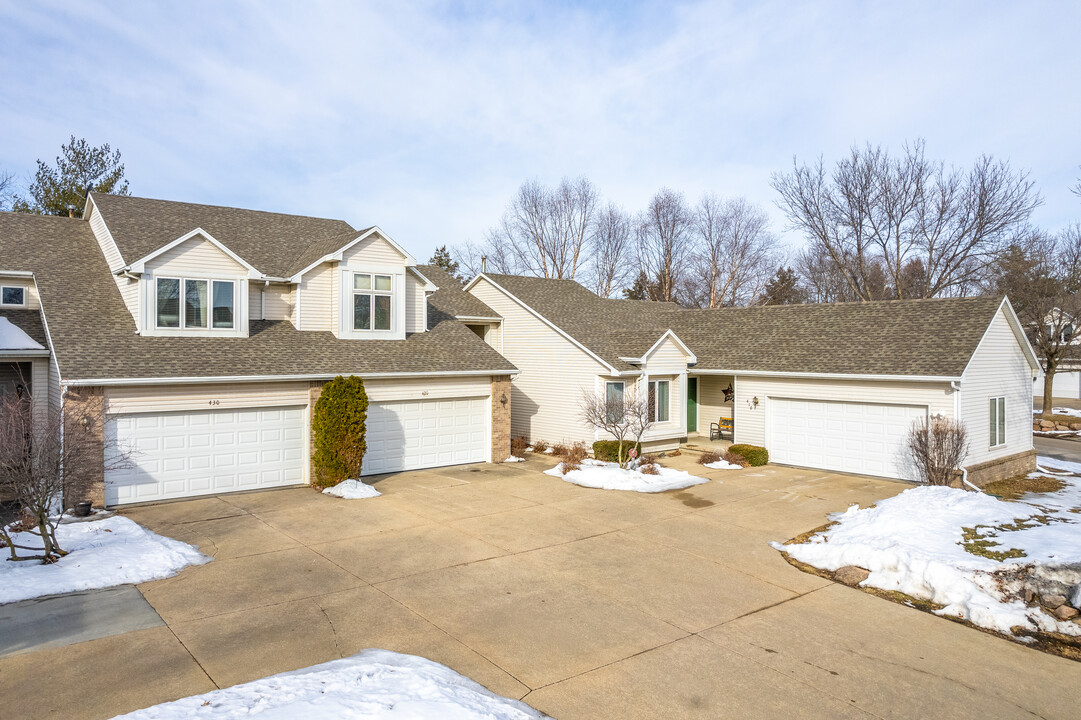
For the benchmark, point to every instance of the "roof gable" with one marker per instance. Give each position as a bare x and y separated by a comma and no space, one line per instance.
198,235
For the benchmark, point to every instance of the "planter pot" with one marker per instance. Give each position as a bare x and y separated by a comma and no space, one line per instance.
82,509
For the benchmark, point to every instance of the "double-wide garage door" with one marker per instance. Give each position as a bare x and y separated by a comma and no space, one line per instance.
205,452
863,438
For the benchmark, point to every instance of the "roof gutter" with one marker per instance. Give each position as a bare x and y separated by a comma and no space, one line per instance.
17,273
834,376
278,378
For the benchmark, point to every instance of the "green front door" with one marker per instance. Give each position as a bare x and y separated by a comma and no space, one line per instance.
692,405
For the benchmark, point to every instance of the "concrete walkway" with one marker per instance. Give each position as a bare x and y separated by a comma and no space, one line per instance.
586,603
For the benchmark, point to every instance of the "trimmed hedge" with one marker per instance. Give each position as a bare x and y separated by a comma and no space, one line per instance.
753,454
338,420
608,450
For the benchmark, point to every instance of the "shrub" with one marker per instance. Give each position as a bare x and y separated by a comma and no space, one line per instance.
752,454
539,446
735,459
608,450
937,447
575,454
518,446
709,457
650,469
560,450
338,431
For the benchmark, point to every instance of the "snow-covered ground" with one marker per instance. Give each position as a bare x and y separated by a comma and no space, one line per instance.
722,465
609,476
352,490
1062,411
101,553
915,543
371,685
514,459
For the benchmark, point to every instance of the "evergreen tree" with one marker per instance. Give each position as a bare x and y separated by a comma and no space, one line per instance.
79,169
783,288
441,258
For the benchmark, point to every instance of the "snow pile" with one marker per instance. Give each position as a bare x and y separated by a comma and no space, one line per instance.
371,685
512,458
101,553
352,490
609,476
722,465
914,543
13,338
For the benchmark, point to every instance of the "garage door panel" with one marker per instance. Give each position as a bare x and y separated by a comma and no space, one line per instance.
181,454
864,438
409,435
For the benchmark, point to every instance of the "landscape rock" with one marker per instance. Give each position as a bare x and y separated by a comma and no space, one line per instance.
1030,595
1060,426
1075,426
853,576
1065,612
1047,424
1053,601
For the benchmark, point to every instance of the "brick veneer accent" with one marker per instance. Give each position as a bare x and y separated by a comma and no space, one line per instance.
87,481
500,418
1002,468
315,389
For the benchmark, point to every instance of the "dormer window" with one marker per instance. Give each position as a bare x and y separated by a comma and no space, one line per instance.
203,302
13,295
372,299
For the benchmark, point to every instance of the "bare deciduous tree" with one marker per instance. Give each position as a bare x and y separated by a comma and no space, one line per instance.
42,460
611,246
877,213
734,253
937,446
662,242
625,416
7,189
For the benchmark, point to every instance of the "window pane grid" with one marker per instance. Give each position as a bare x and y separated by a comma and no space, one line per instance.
372,301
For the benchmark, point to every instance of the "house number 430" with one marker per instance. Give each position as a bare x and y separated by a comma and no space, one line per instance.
215,402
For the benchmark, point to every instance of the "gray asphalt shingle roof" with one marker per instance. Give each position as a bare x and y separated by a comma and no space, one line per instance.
451,298
94,334
933,338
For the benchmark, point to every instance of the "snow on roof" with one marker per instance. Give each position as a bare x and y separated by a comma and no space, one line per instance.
12,338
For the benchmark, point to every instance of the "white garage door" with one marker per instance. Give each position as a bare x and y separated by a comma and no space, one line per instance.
181,454
412,434
863,438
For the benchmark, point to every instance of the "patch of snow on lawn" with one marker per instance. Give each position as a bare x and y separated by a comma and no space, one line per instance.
609,476
912,543
512,458
722,465
352,490
101,553
373,684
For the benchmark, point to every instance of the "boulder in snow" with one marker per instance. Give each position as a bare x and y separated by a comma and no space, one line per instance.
851,575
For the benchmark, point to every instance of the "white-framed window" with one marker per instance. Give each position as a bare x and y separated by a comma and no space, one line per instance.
194,303
373,301
13,295
613,398
997,417
659,400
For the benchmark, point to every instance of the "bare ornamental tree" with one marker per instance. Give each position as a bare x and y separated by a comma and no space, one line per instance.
662,242
927,229
624,415
937,446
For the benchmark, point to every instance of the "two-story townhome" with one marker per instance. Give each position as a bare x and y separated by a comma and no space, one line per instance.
832,386
199,337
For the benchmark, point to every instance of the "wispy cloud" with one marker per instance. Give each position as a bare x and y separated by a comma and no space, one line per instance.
424,118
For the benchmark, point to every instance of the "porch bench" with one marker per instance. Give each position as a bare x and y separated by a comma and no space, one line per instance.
722,426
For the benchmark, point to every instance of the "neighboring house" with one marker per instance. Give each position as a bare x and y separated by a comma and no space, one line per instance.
1067,380
835,387
200,337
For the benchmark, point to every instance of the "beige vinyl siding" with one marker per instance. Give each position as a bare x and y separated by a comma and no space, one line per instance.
41,390
129,289
553,373
279,302
205,396
372,250
751,421
427,388
669,362
711,404
414,304
255,301
193,257
56,392
998,369
319,299
495,336
33,302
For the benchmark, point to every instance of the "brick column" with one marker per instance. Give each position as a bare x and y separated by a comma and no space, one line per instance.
500,418
315,389
84,417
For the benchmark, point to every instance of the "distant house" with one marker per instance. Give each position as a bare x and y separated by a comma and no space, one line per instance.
200,336
835,387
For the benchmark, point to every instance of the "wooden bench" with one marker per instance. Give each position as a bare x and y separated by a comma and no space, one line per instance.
718,429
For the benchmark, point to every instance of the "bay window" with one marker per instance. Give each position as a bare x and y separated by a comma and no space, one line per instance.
206,304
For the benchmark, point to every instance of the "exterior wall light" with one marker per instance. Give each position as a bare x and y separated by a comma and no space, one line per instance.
503,399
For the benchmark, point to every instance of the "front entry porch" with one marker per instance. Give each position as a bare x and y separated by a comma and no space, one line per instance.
710,398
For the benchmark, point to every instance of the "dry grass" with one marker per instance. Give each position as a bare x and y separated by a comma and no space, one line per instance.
709,457
735,459
573,456
560,450
539,446
1015,487
518,446
1061,419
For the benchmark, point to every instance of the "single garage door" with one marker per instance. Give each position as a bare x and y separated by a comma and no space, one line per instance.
412,434
863,438
182,454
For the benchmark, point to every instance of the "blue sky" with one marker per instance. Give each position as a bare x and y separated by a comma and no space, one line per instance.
424,118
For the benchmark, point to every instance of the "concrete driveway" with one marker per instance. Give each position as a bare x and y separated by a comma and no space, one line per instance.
584,603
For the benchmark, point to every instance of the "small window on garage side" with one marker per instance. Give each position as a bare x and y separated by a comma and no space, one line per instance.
658,400
997,416
13,295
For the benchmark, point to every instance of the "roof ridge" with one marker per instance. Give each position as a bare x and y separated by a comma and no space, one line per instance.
233,208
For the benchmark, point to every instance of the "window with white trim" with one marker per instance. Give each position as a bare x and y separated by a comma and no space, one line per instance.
659,400
372,301
613,400
997,416
13,295
194,304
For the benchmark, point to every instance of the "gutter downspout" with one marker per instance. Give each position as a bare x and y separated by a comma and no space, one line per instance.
956,387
